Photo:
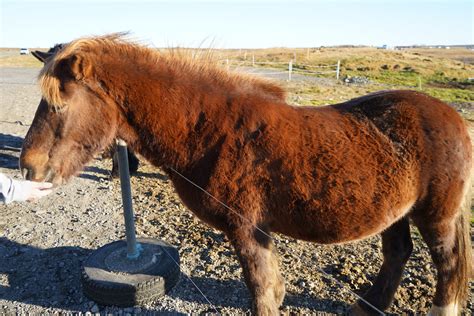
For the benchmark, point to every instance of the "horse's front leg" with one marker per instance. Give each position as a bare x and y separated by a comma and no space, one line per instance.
259,262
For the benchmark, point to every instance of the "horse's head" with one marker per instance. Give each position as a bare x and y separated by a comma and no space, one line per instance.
72,123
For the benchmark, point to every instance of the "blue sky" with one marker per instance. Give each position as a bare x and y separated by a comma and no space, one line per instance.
240,24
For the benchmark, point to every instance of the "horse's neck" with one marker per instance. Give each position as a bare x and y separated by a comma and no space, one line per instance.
174,123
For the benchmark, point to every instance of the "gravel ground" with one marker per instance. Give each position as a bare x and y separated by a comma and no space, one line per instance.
43,244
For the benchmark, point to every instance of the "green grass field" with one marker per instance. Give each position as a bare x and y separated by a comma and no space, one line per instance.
441,73
10,57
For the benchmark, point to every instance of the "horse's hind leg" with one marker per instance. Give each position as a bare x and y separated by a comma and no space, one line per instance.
449,246
260,266
396,247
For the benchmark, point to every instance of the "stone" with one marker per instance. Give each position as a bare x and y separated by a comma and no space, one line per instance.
95,308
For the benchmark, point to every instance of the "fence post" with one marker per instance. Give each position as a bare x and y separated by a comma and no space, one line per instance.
253,60
290,69
338,69
227,62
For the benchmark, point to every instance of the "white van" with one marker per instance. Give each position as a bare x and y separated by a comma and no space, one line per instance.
24,51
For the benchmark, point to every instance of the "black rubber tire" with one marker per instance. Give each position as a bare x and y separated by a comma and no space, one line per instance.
160,277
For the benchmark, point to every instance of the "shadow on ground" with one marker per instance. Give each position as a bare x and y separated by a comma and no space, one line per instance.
10,147
50,278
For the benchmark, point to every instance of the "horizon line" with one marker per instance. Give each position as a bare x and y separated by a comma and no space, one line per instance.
294,47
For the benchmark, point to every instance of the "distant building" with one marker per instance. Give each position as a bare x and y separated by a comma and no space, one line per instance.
467,46
385,46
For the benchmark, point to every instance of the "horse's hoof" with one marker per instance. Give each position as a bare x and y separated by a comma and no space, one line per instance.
265,310
448,310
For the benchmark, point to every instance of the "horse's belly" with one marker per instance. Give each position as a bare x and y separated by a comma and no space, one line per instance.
330,234
343,226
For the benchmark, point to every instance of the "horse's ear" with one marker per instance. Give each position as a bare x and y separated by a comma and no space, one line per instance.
41,56
76,65
80,67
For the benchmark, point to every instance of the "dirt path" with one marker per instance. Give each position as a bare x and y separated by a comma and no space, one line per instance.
43,244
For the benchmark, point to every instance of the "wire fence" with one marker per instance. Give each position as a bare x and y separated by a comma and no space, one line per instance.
282,67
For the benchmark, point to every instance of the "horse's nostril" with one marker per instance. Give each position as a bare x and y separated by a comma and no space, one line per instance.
26,173
49,175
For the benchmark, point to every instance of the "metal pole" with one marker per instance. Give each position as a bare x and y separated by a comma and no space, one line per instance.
338,69
290,69
132,249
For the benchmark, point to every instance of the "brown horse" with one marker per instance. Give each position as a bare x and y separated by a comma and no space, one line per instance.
329,174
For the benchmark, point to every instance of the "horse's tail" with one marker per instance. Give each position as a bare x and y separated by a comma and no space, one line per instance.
463,241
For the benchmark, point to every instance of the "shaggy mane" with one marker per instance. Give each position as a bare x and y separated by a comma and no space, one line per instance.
201,64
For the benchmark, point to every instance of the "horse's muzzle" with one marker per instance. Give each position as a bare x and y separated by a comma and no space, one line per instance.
31,174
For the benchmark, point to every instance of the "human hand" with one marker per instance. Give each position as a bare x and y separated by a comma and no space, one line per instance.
30,190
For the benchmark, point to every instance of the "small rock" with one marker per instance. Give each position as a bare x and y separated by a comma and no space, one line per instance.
95,308
356,80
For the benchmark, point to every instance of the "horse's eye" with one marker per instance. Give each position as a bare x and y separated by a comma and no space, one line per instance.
59,109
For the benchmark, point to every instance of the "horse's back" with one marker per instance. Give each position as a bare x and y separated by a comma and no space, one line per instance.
419,123
375,158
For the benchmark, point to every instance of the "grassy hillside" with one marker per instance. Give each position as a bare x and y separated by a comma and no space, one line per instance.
10,57
442,73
